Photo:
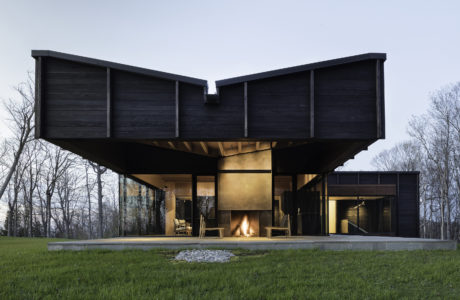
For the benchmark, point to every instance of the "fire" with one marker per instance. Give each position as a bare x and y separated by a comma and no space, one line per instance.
245,226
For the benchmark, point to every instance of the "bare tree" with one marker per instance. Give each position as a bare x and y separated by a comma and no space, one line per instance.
99,170
435,151
89,187
405,156
67,190
30,181
57,162
13,198
21,114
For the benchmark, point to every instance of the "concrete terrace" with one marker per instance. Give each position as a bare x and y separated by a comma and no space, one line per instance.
332,242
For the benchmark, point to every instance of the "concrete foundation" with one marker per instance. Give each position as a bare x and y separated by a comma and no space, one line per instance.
333,242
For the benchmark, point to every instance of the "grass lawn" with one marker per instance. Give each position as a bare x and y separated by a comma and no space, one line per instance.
29,271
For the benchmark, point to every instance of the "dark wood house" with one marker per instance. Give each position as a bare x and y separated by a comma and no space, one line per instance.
261,148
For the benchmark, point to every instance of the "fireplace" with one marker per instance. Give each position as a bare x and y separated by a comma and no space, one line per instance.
244,223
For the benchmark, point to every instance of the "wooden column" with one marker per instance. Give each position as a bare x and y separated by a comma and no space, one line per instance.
295,205
177,109
323,204
245,109
123,208
216,199
378,99
195,211
170,208
39,99
312,103
109,104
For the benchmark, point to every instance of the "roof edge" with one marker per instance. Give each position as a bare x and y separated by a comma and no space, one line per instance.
301,68
118,66
375,172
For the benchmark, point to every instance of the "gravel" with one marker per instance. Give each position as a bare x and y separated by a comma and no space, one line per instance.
205,255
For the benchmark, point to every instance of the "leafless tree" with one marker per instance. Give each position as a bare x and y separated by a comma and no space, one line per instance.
405,156
435,151
58,161
89,186
21,115
99,170
38,181
30,181
67,188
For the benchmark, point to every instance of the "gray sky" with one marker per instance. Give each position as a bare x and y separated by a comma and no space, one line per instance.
216,39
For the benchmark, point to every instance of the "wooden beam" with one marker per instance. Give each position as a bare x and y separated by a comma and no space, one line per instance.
240,147
221,148
312,103
378,100
171,144
188,146
274,144
177,108
156,143
39,88
257,145
109,105
245,109
362,189
205,147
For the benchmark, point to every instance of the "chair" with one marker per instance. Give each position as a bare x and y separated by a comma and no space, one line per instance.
285,226
181,227
203,228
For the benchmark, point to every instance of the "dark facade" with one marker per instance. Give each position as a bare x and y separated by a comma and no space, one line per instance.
278,130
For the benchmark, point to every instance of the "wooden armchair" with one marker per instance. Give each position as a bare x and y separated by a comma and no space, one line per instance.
181,227
203,228
285,226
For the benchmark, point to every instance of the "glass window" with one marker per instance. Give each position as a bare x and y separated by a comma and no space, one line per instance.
206,198
141,208
160,206
282,199
363,214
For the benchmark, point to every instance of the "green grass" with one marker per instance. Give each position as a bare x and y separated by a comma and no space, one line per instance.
29,271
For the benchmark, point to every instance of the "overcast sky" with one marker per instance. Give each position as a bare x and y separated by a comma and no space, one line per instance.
215,39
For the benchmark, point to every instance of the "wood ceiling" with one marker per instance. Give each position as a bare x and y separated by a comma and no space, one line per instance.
220,149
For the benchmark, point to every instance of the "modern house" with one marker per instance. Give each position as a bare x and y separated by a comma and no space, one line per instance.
263,147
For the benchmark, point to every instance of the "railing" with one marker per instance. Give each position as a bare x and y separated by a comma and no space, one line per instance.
357,227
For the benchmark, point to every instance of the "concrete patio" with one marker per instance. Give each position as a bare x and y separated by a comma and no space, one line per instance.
332,242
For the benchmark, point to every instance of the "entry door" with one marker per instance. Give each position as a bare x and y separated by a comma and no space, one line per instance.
310,211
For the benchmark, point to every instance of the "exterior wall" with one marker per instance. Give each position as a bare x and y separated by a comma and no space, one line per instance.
75,96
91,100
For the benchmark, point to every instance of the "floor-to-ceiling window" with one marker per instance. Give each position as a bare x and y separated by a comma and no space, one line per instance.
142,208
160,206
206,198
360,215
282,199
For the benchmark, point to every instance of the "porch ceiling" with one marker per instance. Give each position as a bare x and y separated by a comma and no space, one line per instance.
200,157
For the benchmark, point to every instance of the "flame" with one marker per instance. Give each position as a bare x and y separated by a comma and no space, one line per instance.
245,226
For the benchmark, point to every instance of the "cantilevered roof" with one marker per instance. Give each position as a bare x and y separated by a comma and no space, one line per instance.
117,66
201,82
302,68
135,120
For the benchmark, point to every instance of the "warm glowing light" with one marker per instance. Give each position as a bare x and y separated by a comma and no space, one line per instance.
245,226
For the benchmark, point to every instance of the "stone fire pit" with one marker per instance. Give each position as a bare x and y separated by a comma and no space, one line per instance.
204,255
